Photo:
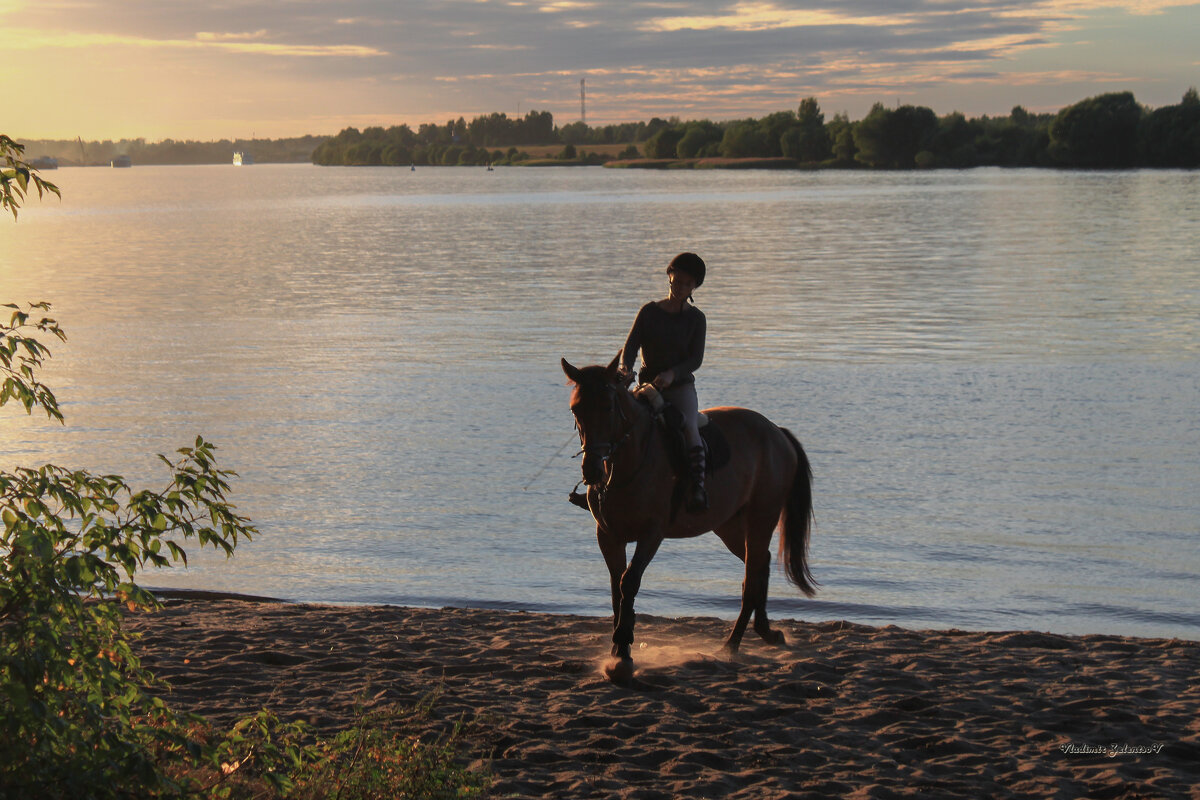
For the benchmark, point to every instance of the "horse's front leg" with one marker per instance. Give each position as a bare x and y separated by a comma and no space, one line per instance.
621,670
613,551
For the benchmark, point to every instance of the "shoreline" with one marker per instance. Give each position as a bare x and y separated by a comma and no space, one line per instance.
784,609
840,710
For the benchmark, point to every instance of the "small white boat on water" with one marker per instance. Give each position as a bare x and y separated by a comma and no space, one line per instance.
122,162
242,159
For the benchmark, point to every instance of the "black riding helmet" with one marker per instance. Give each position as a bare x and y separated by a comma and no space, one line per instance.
690,263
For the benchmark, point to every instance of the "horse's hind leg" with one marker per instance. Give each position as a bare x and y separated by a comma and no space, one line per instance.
762,625
753,537
754,601
733,534
758,543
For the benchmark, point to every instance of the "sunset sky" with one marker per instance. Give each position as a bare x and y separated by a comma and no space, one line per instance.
271,68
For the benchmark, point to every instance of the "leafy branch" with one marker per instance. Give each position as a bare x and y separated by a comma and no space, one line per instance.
16,176
21,354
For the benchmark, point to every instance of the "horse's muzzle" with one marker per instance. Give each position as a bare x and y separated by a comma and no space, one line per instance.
593,468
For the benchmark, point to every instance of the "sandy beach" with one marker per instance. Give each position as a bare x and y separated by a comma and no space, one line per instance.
841,710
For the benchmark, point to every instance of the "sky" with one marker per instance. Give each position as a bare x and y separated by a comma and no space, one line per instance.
157,69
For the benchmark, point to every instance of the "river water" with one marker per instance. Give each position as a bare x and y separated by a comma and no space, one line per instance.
996,375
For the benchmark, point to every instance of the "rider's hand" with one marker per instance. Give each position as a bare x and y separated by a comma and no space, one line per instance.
664,379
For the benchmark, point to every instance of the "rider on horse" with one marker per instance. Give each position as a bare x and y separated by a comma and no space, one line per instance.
670,334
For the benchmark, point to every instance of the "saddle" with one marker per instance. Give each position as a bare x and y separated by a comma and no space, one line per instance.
716,446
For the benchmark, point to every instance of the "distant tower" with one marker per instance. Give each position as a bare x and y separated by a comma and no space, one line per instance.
582,103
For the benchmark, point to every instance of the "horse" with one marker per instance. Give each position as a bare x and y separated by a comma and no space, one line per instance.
627,468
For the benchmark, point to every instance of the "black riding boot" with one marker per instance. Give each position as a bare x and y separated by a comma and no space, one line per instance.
697,497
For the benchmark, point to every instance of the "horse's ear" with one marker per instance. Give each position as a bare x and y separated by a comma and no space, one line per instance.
573,375
612,368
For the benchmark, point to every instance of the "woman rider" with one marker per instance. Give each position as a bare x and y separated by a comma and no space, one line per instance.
670,334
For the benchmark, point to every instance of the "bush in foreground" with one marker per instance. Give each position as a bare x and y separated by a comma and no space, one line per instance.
82,718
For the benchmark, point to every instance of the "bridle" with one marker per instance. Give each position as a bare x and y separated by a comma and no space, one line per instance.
608,449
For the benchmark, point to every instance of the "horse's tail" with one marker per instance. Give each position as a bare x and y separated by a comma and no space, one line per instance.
796,523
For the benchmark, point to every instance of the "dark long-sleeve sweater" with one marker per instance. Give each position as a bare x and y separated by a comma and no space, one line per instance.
668,342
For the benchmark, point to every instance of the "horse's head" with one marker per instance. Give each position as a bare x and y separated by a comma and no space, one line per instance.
600,416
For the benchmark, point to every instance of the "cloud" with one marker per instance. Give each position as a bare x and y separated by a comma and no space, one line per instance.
721,58
1131,6
207,36
249,43
758,16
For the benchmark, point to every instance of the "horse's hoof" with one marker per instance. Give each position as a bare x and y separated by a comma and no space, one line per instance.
774,638
619,671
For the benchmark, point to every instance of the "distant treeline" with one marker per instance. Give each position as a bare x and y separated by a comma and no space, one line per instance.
1107,131
70,152
489,139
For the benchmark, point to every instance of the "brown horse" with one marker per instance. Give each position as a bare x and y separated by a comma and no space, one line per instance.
627,468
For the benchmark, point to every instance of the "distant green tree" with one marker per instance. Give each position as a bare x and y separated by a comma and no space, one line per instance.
537,127
568,153
491,130
789,143
844,149
1100,131
913,131
771,129
1018,140
652,127
364,154
696,137
840,133
663,144
691,143
396,155
430,133
892,138
743,139
812,143
1170,136
954,142
574,133
872,142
